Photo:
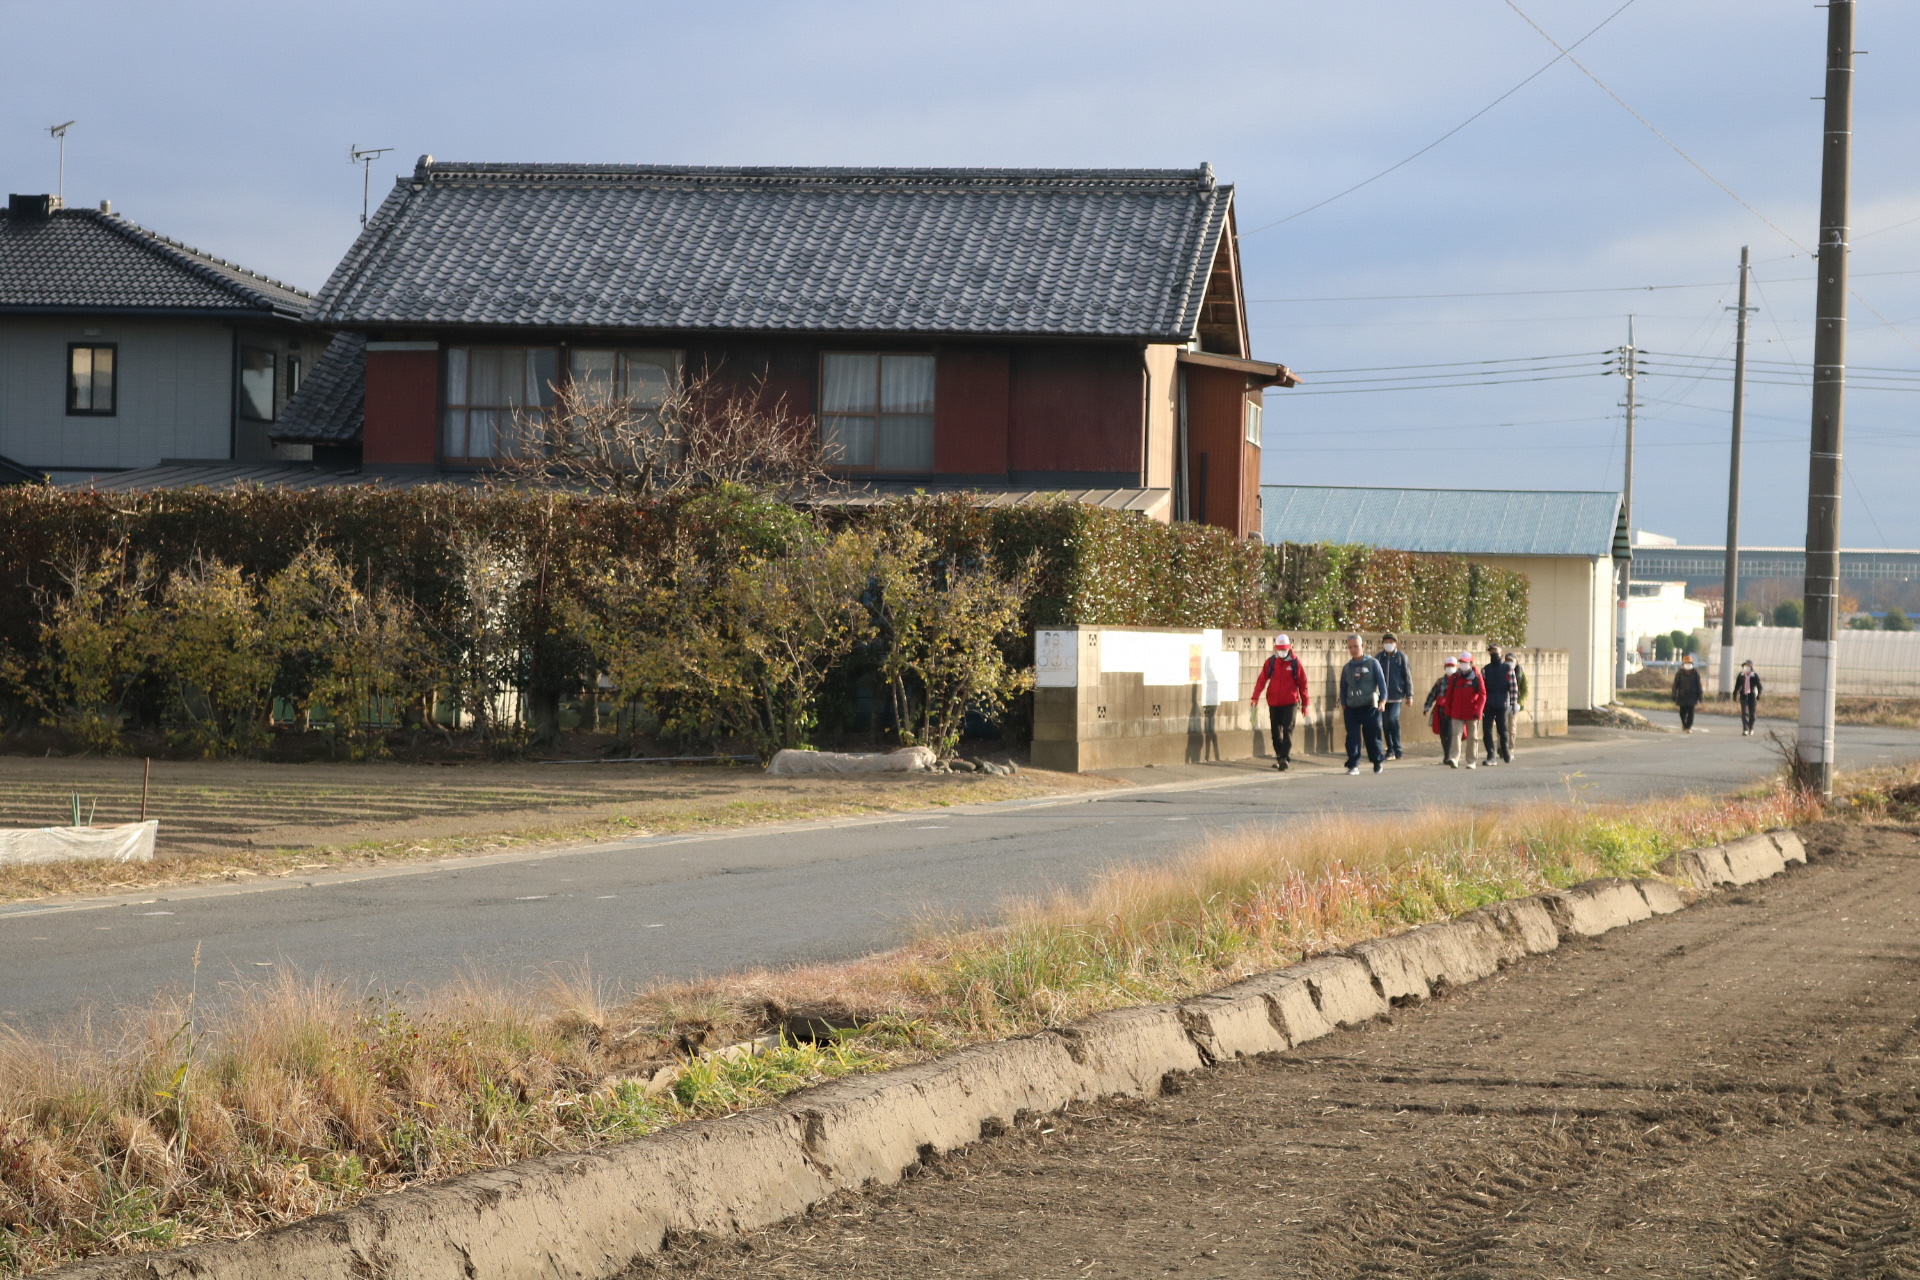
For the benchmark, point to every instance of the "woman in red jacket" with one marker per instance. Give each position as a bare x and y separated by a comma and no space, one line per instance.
1461,703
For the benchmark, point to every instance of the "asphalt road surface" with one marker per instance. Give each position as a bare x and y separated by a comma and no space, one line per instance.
1728,1092
679,906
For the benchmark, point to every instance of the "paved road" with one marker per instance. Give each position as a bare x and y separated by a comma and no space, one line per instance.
1729,1092
680,906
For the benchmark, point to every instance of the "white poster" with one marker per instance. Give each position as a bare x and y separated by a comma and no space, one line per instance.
1056,661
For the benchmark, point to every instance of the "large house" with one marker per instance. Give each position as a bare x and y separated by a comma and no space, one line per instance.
1003,331
122,349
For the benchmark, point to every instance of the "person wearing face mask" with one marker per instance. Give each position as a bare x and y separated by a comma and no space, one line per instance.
1393,664
1284,682
1746,687
1362,689
1463,697
1686,691
1504,686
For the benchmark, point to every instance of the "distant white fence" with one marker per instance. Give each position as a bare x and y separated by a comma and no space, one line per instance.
1873,663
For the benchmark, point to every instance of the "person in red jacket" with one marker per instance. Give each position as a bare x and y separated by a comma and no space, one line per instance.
1285,683
1462,702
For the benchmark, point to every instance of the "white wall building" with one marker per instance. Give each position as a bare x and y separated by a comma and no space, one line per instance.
1661,608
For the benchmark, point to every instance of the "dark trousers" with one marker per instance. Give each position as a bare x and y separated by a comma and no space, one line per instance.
1362,722
1280,728
1390,728
1686,716
1749,708
1497,722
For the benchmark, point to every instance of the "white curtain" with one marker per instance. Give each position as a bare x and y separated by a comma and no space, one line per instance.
849,383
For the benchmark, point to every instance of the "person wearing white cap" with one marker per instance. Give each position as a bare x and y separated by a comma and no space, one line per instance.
1284,682
1462,700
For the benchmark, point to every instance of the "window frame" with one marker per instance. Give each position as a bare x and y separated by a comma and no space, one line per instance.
273,386
1253,422
73,411
879,377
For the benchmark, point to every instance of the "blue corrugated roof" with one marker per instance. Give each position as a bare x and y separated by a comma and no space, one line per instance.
1489,522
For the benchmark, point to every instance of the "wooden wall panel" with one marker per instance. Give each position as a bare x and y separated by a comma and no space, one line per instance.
1077,408
970,412
1216,430
403,408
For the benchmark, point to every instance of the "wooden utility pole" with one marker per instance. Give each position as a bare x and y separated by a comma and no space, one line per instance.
1730,598
1630,366
1818,642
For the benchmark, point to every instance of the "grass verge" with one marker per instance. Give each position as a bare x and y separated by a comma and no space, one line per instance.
189,1120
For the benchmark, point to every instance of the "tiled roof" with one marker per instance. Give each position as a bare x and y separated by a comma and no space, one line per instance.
85,259
331,403
1148,501
238,475
1070,252
1493,522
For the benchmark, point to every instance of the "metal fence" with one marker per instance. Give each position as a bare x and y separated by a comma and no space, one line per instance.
1872,663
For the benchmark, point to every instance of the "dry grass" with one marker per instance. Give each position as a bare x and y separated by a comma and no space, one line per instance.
297,1096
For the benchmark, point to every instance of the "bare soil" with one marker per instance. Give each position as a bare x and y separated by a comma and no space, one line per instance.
230,820
1733,1091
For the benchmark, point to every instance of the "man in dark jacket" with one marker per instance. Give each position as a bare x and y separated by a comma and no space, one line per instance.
1363,687
1501,676
1746,687
1686,691
1285,683
1399,690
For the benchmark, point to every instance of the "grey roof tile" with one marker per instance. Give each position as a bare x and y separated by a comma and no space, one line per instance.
84,259
1511,522
331,404
1071,252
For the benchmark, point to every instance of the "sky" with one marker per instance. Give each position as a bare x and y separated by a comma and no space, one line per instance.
227,126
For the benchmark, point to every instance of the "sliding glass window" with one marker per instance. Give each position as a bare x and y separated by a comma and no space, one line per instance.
92,389
493,393
877,411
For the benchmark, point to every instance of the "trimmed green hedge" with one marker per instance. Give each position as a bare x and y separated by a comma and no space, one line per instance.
1095,566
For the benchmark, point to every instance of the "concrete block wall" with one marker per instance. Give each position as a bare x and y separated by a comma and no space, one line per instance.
1115,697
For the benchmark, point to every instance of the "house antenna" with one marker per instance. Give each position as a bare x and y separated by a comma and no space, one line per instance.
60,131
365,158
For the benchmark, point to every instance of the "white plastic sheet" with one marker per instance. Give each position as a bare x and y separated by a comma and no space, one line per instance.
793,764
132,842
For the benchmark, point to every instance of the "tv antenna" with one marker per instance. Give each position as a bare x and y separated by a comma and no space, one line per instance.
365,158
60,131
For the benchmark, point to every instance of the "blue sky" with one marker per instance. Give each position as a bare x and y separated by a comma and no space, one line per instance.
227,125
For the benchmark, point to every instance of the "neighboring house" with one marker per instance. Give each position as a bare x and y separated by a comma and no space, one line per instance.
1660,609
1567,543
1003,331
120,348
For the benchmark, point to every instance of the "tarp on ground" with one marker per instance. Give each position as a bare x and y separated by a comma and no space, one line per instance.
131,842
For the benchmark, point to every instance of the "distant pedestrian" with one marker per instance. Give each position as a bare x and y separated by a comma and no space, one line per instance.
1463,697
1746,687
1504,681
1285,683
1363,687
1399,691
1686,691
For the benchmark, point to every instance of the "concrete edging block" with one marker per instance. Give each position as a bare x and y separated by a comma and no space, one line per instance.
1753,858
1662,898
1524,927
1595,907
1792,848
1410,965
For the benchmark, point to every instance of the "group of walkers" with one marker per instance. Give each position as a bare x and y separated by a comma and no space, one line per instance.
1687,694
1375,687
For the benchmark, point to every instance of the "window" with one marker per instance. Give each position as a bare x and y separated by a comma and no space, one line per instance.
877,412
1255,411
256,384
488,388
644,378
91,390
293,376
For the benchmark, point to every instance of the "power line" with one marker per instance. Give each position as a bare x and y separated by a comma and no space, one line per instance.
1455,364
1448,134
1534,293
1448,386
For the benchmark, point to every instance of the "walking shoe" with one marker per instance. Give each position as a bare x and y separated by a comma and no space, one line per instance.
1283,766
1376,766
1397,756
1472,765
1353,771
1451,763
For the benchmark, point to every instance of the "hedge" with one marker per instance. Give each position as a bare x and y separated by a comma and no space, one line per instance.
1094,566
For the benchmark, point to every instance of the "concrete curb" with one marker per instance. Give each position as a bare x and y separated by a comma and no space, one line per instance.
570,1217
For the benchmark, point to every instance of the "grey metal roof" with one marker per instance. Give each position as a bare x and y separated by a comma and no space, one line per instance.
1503,522
234,475
82,259
331,404
1148,501
1071,252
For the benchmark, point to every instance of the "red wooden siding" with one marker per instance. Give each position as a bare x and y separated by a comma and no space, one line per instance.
970,388
1076,408
1226,485
403,407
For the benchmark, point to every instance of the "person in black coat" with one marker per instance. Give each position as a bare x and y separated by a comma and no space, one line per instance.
1399,690
1746,687
1502,678
1686,691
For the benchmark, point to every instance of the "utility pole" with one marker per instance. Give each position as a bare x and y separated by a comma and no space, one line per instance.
1730,597
1630,366
1818,642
